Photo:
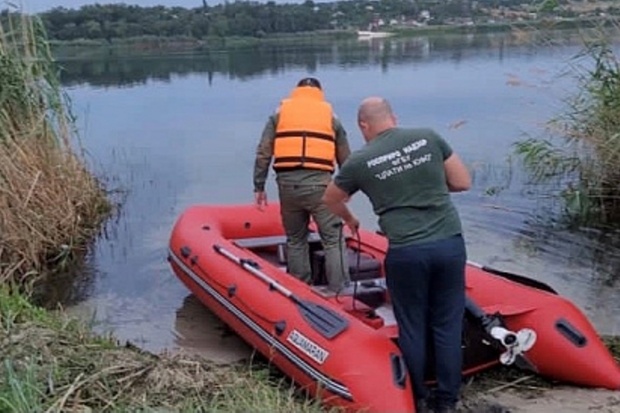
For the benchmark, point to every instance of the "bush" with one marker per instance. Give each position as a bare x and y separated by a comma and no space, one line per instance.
50,204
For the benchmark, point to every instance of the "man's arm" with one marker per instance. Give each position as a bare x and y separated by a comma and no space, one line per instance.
457,174
264,153
335,199
342,143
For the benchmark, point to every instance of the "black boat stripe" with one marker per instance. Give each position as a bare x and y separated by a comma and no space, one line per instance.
329,383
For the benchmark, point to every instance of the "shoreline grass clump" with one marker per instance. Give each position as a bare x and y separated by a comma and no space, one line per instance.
50,203
52,363
578,162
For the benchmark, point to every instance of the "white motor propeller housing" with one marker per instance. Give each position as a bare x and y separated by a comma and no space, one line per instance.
515,343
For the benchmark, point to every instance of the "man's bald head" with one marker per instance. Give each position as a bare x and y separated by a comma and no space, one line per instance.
374,109
375,116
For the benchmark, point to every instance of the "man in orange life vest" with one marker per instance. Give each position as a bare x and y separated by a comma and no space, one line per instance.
305,140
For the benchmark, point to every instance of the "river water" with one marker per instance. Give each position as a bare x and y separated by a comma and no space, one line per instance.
170,131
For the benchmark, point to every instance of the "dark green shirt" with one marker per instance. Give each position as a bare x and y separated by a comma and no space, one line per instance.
264,153
402,173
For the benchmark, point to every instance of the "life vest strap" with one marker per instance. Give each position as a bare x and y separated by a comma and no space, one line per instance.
305,160
309,134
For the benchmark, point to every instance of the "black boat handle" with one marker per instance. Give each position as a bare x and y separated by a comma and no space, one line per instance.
399,370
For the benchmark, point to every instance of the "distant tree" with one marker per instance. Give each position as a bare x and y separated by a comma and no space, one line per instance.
250,18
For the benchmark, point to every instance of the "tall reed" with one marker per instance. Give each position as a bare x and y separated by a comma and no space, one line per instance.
50,203
582,155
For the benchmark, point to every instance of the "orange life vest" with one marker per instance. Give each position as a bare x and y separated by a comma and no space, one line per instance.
305,136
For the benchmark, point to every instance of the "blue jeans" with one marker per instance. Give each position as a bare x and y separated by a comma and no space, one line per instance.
426,283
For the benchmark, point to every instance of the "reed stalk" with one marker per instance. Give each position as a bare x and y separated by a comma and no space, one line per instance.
50,203
580,155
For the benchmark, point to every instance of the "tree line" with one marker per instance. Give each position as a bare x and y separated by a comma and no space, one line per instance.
245,18
244,64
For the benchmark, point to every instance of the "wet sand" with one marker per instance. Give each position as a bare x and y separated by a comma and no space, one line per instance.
199,331
563,399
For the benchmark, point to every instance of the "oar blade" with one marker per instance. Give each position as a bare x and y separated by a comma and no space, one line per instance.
324,320
521,279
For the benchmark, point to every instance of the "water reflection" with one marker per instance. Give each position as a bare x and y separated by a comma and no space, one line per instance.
247,63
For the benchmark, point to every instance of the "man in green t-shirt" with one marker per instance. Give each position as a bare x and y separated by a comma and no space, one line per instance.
408,175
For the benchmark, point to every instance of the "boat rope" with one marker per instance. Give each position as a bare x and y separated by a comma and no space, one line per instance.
340,225
357,266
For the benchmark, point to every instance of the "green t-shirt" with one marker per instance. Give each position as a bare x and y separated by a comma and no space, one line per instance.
402,173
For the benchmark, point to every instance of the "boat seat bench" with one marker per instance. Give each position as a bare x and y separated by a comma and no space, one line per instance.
369,267
275,240
366,272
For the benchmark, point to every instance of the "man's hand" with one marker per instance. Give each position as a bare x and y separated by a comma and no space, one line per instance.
335,199
353,224
260,198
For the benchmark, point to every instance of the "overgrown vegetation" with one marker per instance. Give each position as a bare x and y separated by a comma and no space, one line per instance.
50,207
54,364
579,155
50,204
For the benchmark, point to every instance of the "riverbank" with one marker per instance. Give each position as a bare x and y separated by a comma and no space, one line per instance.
54,363
51,204
145,45
499,27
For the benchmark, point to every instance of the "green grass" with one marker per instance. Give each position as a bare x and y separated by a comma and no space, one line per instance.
51,363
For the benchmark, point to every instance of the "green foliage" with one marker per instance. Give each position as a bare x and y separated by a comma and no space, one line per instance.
548,6
29,86
56,364
50,204
15,309
255,19
111,22
544,160
583,158
20,391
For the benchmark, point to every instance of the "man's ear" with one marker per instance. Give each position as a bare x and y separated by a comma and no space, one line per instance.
362,125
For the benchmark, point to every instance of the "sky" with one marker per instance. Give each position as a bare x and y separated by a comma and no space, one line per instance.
36,6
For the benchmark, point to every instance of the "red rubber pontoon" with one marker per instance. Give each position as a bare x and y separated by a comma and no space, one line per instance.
342,347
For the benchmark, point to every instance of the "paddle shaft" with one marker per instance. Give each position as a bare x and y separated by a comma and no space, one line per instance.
323,319
251,267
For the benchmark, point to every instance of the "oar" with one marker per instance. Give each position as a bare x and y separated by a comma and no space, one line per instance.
322,319
514,343
508,275
521,279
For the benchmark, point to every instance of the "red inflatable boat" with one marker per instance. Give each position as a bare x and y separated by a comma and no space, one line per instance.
342,347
